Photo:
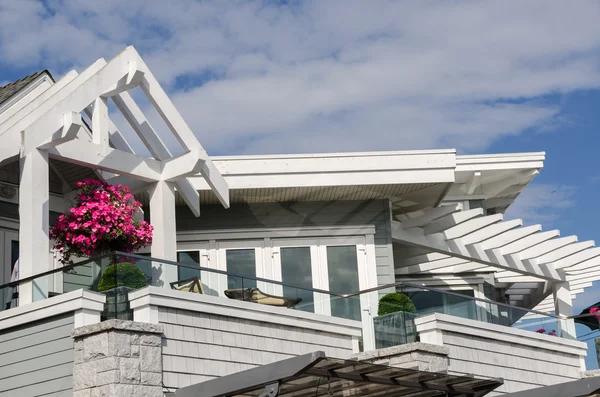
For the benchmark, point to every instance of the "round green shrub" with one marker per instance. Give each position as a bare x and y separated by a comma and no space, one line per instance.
395,302
124,274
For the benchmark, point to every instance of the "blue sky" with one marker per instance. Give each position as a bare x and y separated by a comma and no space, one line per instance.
269,77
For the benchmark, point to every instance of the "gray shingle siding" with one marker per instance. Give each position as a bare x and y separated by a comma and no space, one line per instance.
36,359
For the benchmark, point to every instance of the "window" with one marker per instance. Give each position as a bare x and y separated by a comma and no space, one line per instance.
242,263
296,270
438,302
191,258
342,267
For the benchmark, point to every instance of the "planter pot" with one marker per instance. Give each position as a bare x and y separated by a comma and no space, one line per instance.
117,304
394,329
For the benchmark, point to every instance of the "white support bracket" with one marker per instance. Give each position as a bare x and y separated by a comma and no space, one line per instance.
68,132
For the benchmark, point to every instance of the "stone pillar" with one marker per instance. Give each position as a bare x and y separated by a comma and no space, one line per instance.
118,358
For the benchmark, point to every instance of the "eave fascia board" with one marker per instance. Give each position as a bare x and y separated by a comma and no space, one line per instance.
320,170
503,158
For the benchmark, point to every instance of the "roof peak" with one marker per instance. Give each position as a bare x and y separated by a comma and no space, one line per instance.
10,89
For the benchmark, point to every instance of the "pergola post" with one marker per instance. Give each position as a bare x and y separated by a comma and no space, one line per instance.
563,306
34,242
164,240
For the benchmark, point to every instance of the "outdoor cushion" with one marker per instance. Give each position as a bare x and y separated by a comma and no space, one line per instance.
188,285
257,296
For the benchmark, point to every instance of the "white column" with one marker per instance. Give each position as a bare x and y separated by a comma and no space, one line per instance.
34,242
563,306
164,240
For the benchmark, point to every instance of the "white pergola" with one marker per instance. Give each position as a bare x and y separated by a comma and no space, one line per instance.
51,125
536,266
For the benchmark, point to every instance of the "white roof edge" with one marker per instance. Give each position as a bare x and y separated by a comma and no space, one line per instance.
501,157
340,154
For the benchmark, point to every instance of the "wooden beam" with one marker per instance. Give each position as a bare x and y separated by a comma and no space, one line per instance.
107,159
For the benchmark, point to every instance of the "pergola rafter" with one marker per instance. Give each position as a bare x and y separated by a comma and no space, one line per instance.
532,263
50,126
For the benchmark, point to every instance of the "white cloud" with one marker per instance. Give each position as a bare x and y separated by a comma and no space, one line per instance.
542,203
335,75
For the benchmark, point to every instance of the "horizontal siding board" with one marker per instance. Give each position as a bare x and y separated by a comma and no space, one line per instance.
37,377
36,351
36,364
45,388
37,358
35,327
49,335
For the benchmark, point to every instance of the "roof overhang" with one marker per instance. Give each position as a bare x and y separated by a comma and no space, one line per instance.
409,179
315,374
497,179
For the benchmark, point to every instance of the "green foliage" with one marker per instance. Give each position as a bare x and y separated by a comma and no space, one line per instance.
125,274
395,302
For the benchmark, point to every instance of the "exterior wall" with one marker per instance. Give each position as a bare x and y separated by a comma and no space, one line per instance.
199,344
36,348
523,359
298,214
37,358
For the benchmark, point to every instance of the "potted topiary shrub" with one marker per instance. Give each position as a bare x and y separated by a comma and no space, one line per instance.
394,324
116,282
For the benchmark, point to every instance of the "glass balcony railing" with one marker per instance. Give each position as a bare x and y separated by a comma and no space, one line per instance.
116,274
396,325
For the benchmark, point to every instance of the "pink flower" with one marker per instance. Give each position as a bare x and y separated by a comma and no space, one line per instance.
100,221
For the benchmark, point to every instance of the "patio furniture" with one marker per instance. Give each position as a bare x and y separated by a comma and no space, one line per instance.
191,284
257,296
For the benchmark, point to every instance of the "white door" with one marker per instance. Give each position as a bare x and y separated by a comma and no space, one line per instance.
295,264
245,260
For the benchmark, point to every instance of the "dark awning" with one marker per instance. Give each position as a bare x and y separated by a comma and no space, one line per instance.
577,388
315,374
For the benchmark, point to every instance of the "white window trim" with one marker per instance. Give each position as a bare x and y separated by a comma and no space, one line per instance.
274,233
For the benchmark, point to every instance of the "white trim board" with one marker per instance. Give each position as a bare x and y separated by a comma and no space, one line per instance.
78,300
154,297
442,322
254,233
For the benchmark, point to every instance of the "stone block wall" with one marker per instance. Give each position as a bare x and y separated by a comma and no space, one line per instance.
118,358
421,356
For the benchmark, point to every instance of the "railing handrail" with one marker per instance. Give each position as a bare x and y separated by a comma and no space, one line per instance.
222,272
405,284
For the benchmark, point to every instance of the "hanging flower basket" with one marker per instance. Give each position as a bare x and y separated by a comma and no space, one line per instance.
101,220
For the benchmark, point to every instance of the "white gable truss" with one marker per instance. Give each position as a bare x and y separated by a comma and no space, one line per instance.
530,262
50,124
